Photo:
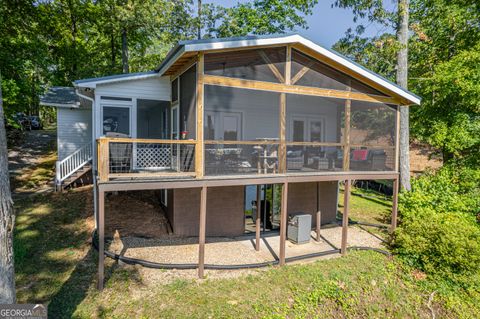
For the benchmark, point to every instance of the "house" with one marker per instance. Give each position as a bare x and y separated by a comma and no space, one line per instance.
220,114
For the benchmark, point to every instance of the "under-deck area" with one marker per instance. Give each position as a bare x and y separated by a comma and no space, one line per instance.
214,213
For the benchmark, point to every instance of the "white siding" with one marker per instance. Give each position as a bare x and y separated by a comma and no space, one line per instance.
152,88
74,129
157,88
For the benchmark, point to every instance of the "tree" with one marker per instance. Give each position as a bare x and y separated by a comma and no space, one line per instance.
375,12
402,80
7,220
259,17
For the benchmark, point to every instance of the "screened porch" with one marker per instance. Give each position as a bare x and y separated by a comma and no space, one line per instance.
256,112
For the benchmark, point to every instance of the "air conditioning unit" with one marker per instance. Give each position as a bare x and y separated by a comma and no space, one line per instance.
299,228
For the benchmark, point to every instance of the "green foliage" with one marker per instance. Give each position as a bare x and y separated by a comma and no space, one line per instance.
451,110
263,17
50,43
438,232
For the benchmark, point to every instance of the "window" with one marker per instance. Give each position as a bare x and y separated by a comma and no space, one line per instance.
116,119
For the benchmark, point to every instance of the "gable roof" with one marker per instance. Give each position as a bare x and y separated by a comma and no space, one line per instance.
185,47
60,96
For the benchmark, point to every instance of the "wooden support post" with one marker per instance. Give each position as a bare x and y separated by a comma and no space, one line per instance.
282,152
397,141
101,239
199,154
319,215
202,232
346,202
283,223
257,219
394,205
346,146
103,159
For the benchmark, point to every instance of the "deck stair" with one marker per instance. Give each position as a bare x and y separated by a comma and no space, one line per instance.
74,169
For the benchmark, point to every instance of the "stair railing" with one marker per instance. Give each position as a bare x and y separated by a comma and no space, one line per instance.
73,162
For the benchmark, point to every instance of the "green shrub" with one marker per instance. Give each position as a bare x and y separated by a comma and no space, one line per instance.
438,232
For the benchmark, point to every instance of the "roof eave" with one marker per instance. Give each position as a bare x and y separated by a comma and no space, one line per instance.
62,105
101,81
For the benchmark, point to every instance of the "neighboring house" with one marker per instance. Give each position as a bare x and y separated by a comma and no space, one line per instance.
221,114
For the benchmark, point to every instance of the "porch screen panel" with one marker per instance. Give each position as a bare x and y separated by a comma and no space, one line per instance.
248,117
372,136
314,133
152,123
314,119
248,64
188,82
323,76
152,119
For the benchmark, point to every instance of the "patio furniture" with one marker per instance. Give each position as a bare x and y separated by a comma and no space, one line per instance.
363,159
295,160
120,155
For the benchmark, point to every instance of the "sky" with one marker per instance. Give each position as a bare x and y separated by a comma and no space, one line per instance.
326,25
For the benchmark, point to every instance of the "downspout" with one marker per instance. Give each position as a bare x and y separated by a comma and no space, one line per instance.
94,157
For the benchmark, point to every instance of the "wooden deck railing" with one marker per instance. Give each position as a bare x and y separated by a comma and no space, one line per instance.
158,158
144,158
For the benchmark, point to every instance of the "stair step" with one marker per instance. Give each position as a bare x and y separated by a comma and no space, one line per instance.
75,176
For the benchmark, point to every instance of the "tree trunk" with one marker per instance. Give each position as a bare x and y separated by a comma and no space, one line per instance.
7,220
402,76
112,49
199,31
125,67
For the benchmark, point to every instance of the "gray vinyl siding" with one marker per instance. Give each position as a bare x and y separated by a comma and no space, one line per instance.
74,129
260,110
152,88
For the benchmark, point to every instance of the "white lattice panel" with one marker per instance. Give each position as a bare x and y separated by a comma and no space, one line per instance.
154,156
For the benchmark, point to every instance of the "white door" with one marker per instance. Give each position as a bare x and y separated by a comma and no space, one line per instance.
225,126
306,129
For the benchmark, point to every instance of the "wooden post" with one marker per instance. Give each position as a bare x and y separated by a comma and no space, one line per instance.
346,202
199,154
283,223
103,159
319,215
346,138
202,232
101,239
257,219
397,141
282,152
394,205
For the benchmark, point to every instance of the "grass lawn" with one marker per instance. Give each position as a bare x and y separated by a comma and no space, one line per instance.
55,264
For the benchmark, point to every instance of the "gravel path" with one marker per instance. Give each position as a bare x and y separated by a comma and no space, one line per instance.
228,251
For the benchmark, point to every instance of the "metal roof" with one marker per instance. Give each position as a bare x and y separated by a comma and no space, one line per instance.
93,82
60,96
262,40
